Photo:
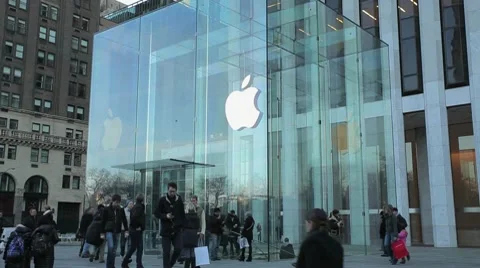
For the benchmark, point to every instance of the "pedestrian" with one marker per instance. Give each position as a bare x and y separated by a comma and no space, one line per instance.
259,232
113,219
30,221
402,236
319,248
190,235
391,232
125,240
136,228
203,225
215,228
94,237
336,224
382,233
44,239
247,232
3,223
17,247
87,219
171,212
233,224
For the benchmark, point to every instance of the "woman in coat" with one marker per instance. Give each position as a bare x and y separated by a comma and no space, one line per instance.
247,232
87,219
319,248
190,235
46,228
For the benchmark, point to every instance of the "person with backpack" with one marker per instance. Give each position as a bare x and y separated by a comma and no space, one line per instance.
44,239
93,237
17,247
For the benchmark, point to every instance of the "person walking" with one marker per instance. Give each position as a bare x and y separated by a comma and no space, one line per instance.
137,226
113,219
17,247
247,232
391,232
190,235
87,219
44,239
319,248
94,238
203,225
382,232
171,212
215,228
124,240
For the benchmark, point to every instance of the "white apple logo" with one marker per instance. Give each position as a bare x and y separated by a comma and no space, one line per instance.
241,107
112,132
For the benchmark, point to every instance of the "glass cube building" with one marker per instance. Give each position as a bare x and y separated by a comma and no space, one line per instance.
270,107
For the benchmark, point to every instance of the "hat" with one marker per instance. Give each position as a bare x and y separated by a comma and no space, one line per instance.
232,211
317,214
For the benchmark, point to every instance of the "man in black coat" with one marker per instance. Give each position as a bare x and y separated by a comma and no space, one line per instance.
31,220
233,224
401,221
171,212
137,226
215,228
113,218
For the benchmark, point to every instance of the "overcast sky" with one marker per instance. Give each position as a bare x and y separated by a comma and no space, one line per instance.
128,2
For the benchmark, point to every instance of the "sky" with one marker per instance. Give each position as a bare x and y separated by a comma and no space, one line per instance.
127,2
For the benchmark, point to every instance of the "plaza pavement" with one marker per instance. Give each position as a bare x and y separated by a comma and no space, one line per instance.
66,256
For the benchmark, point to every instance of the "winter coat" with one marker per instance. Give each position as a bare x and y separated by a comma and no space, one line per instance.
87,219
403,236
391,225
248,226
320,250
25,233
230,222
382,226
401,223
215,225
113,219
137,217
190,231
46,227
166,205
30,222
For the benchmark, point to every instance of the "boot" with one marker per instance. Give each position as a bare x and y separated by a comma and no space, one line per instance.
249,259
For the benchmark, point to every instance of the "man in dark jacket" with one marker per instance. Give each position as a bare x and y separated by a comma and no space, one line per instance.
86,220
233,224
30,221
215,228
137,226
170,210
401,221
391,234
113,218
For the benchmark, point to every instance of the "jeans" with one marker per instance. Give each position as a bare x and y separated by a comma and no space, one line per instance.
136,244
167,242
387,243
124,243
233,240
214,240
85,249
112,244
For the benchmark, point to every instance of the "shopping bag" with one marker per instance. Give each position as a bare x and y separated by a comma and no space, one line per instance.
201,256
243,242
399,250
2,247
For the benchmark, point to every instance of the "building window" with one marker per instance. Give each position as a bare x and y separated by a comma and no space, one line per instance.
51,60
44,156
67,159
8,48
369,19
17,76
75,43
23,4
15,103
455,61
83,68
3,122
37,105
85,24
2,151
71,112
78,134
69,133
36,127
45,129
13,124
76,183
4,100
410,49
76,21
12,152
12,3
47,106
336,5
72,88
19,51
39,81
66,182
44,82
42,33
41,57
84,46
21,26
54,13
73,65
82,91
77,160
52,36
34,153
7,73
44,10
80,113
11,23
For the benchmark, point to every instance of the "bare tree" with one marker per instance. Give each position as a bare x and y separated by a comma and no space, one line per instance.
101,184
215,187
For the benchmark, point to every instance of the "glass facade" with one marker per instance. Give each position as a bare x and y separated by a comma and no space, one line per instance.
232,100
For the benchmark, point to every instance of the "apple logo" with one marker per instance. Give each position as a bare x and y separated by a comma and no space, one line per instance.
112,132
241,107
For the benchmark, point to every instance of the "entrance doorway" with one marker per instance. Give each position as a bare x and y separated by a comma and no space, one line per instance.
68,217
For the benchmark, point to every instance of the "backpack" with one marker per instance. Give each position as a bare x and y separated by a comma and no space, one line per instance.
40,244
16,248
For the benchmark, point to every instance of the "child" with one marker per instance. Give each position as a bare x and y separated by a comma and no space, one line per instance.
402,236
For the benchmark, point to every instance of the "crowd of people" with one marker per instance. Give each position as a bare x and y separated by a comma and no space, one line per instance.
393,232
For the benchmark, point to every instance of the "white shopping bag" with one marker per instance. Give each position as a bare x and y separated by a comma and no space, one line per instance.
201,256
2,247
243,242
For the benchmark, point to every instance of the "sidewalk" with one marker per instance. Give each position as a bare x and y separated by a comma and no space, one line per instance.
67,257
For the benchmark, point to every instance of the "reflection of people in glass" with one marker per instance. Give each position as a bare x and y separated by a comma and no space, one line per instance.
319,247
170,210
155,226
336,224
247,232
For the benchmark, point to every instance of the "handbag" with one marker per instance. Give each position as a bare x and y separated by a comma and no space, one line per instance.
243,242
